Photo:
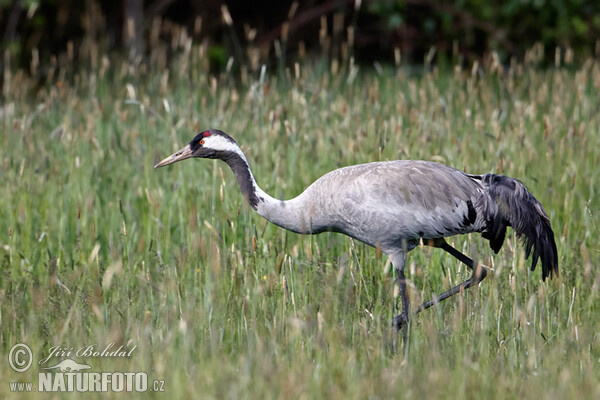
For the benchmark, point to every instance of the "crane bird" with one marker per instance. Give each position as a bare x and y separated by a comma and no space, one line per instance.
393,205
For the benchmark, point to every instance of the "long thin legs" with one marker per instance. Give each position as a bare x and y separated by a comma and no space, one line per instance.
478,275
399,260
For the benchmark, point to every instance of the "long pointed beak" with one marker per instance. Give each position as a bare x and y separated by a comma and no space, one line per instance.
185,152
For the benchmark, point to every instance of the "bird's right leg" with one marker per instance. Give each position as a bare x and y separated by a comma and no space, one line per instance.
478,275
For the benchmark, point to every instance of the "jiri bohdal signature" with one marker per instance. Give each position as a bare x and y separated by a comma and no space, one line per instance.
88,351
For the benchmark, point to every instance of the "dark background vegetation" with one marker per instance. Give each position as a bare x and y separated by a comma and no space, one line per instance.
368,30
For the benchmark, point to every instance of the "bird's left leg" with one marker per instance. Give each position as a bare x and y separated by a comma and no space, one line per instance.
399,261
478,275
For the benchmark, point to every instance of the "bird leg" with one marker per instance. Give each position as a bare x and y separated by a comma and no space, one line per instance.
478,275
400,321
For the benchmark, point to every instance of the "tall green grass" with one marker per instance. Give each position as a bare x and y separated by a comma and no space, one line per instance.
97,247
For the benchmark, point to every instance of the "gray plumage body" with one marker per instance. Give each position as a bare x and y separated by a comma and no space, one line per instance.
391,205
384,203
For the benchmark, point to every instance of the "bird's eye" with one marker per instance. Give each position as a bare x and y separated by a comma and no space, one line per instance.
202,142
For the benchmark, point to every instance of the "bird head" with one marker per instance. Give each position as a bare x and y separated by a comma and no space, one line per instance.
212,143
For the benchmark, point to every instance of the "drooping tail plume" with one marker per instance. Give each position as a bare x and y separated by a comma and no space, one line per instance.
513,205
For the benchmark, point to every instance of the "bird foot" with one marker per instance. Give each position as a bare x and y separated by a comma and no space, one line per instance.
400,321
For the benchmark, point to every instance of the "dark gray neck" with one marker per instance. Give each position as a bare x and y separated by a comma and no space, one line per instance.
296,215
248,186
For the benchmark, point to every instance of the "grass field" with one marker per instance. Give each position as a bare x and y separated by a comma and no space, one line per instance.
98,247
